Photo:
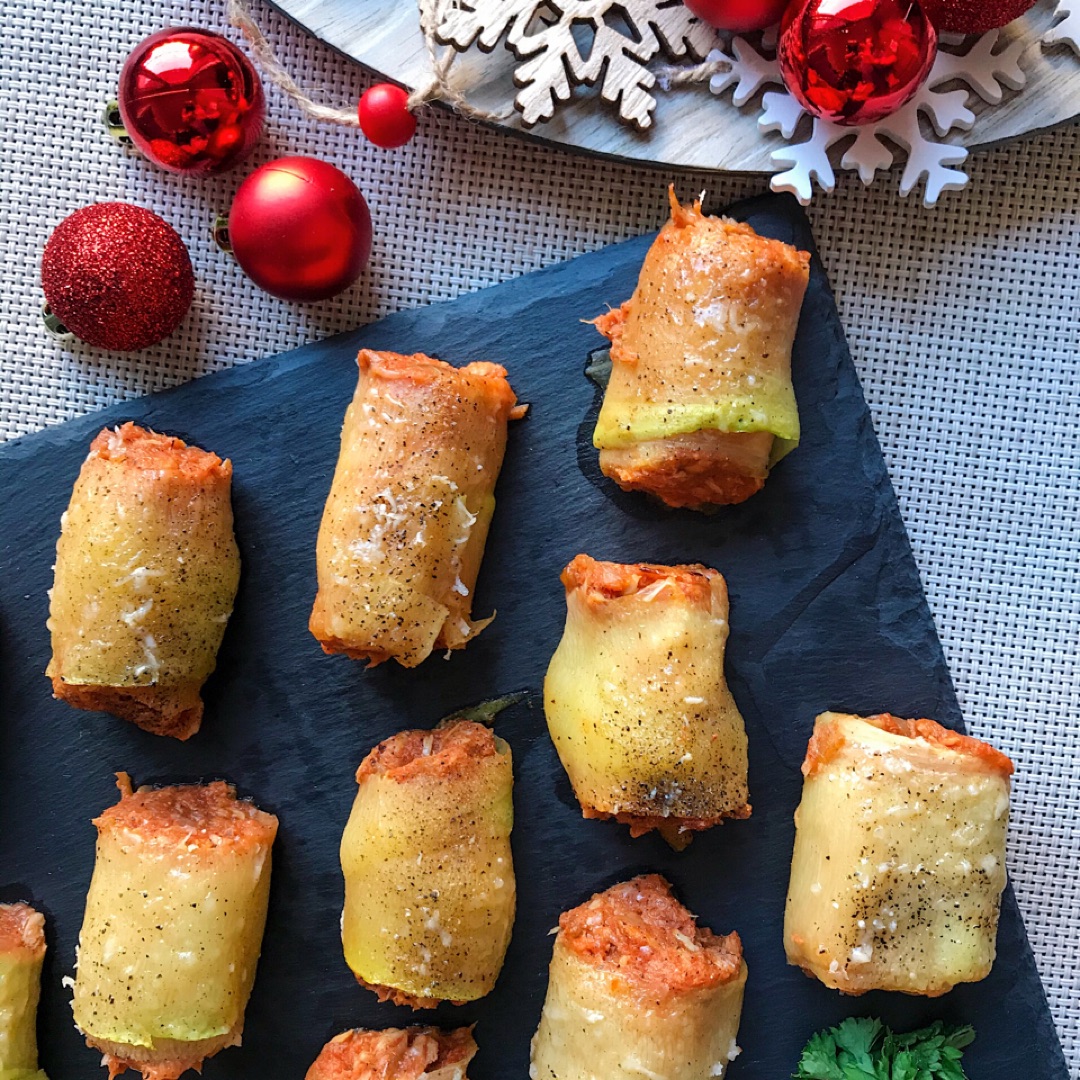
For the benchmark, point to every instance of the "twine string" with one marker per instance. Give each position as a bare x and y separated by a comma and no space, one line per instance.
240,16
439,87
669,77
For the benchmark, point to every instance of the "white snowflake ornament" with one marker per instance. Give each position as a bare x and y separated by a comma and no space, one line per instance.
873,147
748,73
560,44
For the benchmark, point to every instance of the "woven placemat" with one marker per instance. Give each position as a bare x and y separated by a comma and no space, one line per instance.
963,321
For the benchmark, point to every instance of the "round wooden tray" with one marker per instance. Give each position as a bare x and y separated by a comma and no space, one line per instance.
691,127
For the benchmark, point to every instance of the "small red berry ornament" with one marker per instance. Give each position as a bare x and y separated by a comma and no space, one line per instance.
739,16
855,61
385,117
974,16
117,276
300,229
191,101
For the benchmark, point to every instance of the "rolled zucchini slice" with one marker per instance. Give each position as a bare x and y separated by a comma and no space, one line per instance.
406,521
22,952
173,926
414,1053
146,574
700,404
899,860
638,989
429,876
636,699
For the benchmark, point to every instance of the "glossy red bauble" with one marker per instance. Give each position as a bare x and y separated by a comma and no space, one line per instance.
191,101
974,16
739,16
855,61
117,276
384,116
300,229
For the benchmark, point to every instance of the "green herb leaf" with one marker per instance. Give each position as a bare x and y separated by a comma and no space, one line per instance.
818,1060
857,1037
598,369
961,1035
863,1048
486,711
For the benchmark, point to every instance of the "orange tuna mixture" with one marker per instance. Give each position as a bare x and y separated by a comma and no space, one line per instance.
829,739
394,1054
204,815
638,930
444,752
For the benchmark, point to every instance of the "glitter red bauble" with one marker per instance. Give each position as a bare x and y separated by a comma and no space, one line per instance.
300,229
739,16
117,276
855,61
974,16
191,101
385,117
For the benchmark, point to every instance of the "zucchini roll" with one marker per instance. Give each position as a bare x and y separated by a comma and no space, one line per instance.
405,524
700,404
22,951
415,1053
173,926
429,878
146,574
638,989
636,699
899,859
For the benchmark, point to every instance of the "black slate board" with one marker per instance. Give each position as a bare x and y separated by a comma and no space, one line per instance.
827,611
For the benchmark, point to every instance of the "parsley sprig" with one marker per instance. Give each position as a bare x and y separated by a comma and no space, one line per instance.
861,1048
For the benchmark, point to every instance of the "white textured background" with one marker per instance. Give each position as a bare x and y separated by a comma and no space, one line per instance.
963,322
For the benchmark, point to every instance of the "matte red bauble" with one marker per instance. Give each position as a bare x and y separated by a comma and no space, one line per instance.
300,229
117,276
855,61
191,101
740,16
385,117
974,16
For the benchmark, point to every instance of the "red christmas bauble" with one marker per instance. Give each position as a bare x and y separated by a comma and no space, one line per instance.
385,117
974,16
191,101
739,16
855,61
117,276
300,229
